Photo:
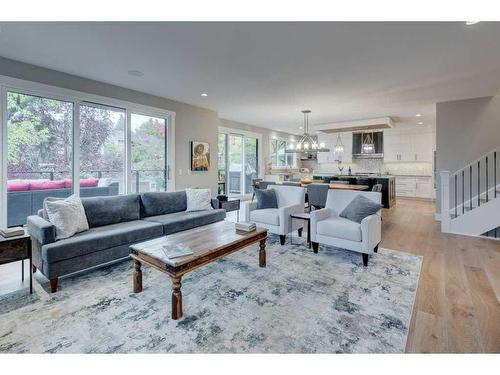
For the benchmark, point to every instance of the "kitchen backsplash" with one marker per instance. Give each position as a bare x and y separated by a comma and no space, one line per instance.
376,166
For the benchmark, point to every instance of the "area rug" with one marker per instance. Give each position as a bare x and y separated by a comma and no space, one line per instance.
300,303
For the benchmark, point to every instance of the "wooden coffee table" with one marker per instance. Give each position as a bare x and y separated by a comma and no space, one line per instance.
209,243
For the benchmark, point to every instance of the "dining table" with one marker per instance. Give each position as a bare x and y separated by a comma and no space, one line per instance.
337,186
348,187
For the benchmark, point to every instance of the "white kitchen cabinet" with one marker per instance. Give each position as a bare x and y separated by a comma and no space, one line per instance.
422,146
392,147
414,187
424,187
405,186
408,146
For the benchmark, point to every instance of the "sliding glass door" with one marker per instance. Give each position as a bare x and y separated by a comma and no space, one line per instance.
222,161
149,153
235,164
102,150
39,153
238,163
251,162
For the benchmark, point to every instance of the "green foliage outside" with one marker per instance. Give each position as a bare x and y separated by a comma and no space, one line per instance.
39,135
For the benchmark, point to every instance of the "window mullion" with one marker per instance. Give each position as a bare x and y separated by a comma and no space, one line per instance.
76,149
128,153
3,158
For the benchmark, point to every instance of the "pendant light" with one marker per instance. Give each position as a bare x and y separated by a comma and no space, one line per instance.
339,146
307,143
367,146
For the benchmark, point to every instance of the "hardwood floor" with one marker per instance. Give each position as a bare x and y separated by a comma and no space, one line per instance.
457,309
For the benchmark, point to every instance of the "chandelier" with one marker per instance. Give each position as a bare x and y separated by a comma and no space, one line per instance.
339,146
307,143
367,145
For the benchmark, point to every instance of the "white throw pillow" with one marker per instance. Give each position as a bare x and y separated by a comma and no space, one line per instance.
104,182
198,199
67,215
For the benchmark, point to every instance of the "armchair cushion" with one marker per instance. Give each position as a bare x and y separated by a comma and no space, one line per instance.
359,208
340,227
266,199
266,216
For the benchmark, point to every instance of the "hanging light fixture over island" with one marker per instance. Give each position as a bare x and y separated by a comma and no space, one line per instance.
339,146
307,143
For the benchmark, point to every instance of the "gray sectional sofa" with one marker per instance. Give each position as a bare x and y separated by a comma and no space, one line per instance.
115,223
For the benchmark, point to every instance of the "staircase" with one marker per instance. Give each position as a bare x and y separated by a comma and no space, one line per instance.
470,198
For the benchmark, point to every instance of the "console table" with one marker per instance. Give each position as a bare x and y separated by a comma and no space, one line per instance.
231,205
306,217
14,249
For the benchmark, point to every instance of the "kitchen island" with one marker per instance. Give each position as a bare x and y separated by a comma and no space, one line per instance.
388,184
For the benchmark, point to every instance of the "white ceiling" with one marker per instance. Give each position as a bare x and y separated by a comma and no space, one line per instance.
265,73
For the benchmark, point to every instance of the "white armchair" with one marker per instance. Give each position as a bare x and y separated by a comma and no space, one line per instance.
291,200
328,228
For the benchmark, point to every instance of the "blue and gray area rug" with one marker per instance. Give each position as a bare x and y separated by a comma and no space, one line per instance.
300,303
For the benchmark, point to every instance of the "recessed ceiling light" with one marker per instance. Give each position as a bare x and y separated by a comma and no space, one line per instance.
420,123
469,23
418,115
204,94
301,127
135,73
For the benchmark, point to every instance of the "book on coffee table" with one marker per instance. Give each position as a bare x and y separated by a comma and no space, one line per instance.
176,251
12,232
160,248
245,226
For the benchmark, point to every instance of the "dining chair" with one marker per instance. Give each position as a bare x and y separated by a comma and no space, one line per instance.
317,194
264,184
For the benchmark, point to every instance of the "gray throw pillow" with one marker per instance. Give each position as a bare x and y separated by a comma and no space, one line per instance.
266,198
359,208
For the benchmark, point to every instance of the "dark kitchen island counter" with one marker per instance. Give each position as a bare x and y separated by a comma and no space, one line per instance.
388,183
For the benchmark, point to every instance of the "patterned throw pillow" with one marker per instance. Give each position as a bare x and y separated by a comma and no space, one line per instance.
67,215
198,200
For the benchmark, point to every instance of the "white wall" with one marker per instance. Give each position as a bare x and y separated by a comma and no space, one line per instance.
465,131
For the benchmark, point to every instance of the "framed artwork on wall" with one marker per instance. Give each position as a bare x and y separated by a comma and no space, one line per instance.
200,156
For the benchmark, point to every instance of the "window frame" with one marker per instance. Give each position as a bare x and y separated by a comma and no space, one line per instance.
244,133
78,98
274,157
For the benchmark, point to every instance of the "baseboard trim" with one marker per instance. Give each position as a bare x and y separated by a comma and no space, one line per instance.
475,235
